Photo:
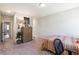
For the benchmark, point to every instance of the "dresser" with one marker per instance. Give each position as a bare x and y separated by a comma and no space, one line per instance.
26,34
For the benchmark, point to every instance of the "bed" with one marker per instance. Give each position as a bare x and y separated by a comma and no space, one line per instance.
68,42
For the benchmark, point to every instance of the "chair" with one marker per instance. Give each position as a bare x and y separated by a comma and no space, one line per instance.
59,49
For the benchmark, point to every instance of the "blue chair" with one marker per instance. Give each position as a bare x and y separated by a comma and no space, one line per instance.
59,49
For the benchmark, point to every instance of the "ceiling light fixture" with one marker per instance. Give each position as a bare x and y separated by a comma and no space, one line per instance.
8,11
42,5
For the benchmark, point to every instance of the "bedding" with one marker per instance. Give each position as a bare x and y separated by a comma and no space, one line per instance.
68,42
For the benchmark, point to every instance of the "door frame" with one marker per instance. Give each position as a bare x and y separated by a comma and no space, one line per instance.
10,34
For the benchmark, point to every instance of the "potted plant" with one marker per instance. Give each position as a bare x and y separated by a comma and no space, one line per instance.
18,37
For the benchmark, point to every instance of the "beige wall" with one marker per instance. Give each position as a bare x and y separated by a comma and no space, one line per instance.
35,27
15,27
61,23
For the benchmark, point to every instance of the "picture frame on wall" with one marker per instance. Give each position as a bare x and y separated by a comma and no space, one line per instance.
27,20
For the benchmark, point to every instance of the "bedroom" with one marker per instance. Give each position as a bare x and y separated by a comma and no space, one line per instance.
48,21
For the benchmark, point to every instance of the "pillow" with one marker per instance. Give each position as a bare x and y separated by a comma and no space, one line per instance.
68,41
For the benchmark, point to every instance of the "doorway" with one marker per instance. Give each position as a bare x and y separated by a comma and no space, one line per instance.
6,31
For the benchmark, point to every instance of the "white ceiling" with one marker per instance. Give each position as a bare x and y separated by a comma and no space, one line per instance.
34,10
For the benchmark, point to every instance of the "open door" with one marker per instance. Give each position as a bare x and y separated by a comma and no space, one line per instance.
6,31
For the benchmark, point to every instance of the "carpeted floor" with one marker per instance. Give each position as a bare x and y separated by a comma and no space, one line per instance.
28,48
